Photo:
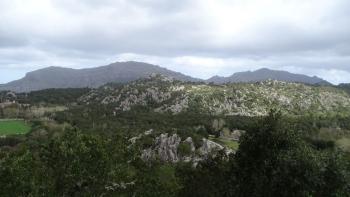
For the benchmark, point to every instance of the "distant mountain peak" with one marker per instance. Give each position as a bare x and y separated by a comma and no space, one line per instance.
61,77
263,74
263,69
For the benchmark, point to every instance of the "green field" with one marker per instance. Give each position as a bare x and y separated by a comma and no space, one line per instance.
13,127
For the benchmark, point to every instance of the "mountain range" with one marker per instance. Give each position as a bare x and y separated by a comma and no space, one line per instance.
122,72
264,74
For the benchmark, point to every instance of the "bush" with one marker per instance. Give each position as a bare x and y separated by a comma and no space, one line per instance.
184,149
10,141
147,141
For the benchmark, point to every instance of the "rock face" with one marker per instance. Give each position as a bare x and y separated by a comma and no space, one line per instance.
209,147
166,148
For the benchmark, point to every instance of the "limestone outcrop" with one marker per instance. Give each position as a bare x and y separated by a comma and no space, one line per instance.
166,148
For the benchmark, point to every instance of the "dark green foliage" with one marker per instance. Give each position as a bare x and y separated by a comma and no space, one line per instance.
10,141
345,87
184,149
22,175
156,179
210,178
320,144
52,96
2,115
78,164
100,118
336,175
147,141
72,165
273,160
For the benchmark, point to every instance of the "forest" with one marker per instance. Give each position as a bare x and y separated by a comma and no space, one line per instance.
85,150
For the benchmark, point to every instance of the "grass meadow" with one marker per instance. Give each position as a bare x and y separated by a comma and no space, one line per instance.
13,127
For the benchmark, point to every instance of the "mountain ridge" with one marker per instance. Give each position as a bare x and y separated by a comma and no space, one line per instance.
123,72
61,77
265,74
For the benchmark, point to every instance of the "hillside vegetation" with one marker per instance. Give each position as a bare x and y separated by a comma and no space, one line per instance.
162,137
162,94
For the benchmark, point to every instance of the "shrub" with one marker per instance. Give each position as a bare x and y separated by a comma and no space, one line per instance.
184,149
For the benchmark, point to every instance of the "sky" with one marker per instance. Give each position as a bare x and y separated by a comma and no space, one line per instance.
200,38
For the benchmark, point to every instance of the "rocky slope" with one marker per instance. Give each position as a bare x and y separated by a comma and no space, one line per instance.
163,94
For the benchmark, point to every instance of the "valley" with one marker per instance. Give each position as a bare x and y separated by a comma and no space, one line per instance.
159,136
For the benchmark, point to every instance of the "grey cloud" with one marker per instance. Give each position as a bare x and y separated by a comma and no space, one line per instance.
11,38
78,32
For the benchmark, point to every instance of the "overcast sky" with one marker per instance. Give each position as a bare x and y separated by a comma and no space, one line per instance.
200,38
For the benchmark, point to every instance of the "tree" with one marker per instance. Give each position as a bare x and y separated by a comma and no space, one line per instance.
156,179
273,160
22,174
1,112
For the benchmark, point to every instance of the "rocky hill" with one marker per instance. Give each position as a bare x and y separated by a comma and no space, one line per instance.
58,77
265,74
165,95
